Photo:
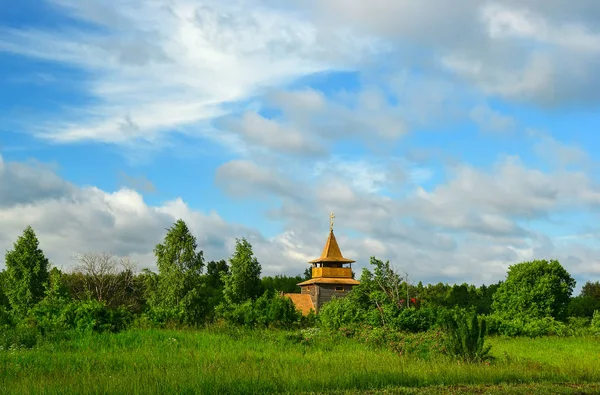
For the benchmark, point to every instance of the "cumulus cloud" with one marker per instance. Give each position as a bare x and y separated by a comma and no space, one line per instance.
490,120
71,220
437,236
470,227
542,52
269,134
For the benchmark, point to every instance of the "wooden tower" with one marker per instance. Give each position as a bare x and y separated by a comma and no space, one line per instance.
331,274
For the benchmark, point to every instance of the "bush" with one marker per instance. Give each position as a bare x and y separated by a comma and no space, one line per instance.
415,320
52,316
578,326
20,337
595,324
423,344
159,317
94,316
534,327
6,318
271,310
465,336
341,312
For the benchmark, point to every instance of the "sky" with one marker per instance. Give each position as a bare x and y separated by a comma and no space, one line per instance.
453,140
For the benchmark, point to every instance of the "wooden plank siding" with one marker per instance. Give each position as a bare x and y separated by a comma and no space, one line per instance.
325,293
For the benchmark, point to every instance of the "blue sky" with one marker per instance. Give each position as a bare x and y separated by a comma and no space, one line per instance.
452,141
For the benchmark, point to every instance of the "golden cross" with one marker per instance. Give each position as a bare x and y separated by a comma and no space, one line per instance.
331,217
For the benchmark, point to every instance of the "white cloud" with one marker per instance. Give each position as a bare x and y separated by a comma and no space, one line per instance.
440,239
156,67
491,120
558,153
504,21
541,52
268,134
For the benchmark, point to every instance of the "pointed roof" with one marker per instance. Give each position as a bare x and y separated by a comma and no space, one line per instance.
331,252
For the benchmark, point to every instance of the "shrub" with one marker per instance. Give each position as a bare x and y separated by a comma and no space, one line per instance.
340,313
533,327
19,337
415,320
422,344
578,326
546,326
465,336
271,310
595,324
94,316
6,318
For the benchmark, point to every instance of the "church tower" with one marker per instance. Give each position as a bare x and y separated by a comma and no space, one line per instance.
331,274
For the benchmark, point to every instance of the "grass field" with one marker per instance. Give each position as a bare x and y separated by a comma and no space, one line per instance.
238,361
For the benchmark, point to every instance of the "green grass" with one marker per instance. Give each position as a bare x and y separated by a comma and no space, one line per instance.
238,361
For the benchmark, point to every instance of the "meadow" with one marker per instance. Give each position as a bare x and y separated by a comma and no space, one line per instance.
236,360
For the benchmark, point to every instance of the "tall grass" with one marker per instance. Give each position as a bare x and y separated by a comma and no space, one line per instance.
243,361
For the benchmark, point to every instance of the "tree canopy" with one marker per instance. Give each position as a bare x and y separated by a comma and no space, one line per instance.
26,272
535,289
179,279
243,282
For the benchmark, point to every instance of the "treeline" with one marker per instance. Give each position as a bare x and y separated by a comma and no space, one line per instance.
106,293
534,300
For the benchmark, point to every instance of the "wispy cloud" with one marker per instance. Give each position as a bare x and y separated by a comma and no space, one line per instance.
160,66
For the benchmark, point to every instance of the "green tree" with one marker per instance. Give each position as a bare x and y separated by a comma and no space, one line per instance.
243,282
215,271
591,290
535,289
3,298
282,283
583,306
307,275
388,282
179,281
26,273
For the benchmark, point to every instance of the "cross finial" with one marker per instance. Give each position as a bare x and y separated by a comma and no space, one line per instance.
331,217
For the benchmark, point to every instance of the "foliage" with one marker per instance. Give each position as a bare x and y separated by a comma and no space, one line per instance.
178,286
307,274
583,306
286,284
48,314
595,323
271,310
591,290
341,312
466,334
22,337
105,278
214,284
415,320
3,298
26,273
530,327
535,289
387,285
243,281
7,319
215,271
54,315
